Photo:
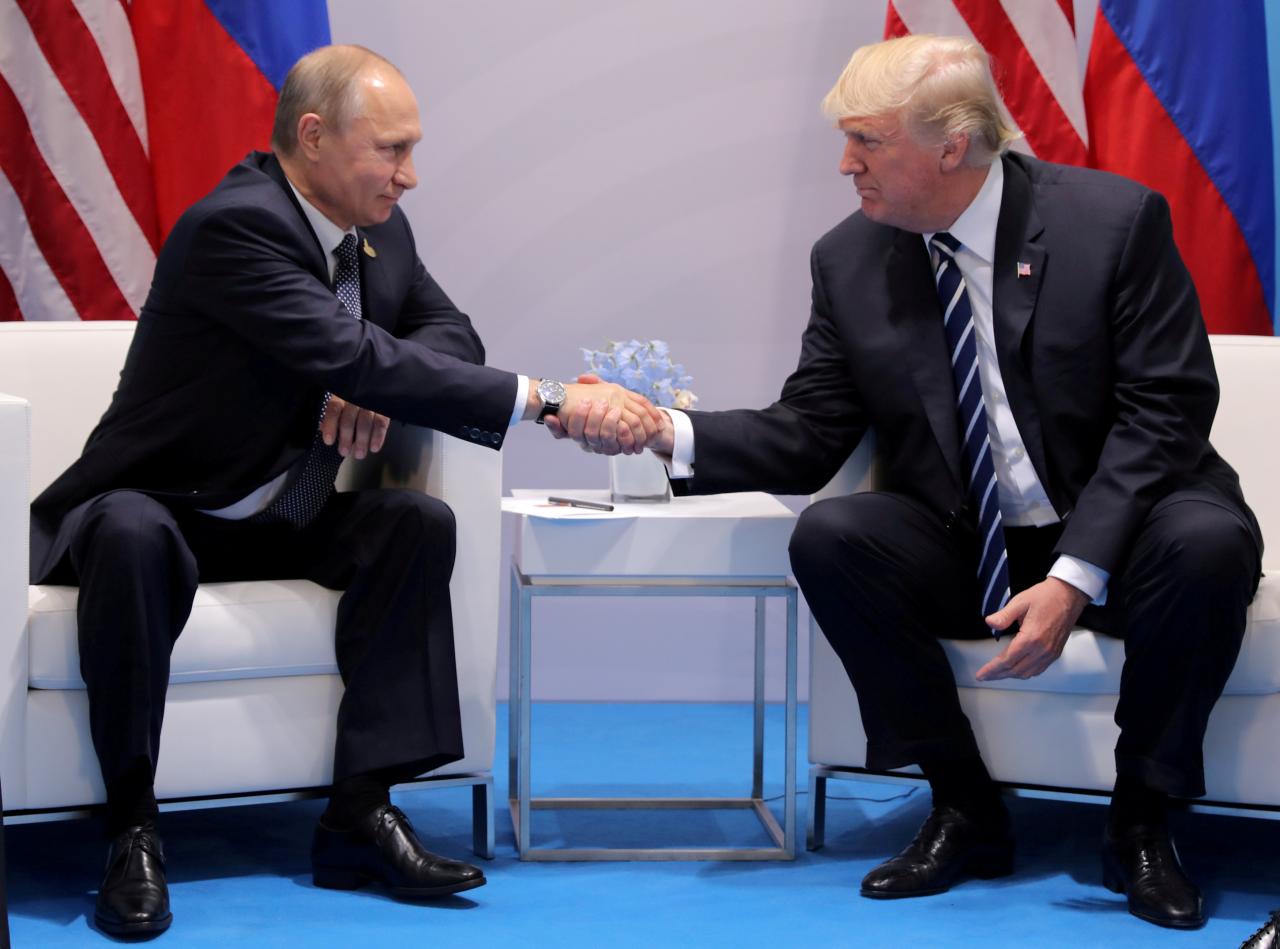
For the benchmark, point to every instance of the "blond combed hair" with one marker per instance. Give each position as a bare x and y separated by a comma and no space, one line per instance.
324,82
941,86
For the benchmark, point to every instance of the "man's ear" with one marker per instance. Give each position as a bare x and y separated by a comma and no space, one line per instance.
310,131
954,150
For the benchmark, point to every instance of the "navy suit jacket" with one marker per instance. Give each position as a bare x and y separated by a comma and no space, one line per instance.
239,339
1102,349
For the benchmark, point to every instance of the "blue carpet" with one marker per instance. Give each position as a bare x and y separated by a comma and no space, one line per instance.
240,875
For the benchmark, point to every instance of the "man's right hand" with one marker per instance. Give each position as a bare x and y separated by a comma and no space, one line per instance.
607,419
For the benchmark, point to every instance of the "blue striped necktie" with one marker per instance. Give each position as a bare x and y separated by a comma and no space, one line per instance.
302,500
984,495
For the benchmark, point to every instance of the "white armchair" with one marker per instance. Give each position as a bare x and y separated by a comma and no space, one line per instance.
254,687
1055,734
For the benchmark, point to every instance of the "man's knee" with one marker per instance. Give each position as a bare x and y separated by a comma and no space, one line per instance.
835,530
426,519
1200,546
127,527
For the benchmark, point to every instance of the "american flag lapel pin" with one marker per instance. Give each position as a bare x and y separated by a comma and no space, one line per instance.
1024,269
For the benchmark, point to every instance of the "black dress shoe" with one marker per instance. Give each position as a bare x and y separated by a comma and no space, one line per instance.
134,898
950,845
1268,937
1142,863
383,848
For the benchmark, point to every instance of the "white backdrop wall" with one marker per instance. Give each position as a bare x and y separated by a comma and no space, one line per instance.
598,169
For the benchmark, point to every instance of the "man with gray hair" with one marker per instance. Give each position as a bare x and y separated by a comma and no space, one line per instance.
1027,346
289,318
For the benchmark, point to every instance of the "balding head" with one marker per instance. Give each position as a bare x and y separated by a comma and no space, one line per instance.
326,82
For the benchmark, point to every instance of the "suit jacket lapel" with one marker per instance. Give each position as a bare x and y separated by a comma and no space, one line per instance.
317,257
917,316
1015,289
373,281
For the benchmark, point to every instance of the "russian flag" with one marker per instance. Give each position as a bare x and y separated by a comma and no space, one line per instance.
211,73
1178,97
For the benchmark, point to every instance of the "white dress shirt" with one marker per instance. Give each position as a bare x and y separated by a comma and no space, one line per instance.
1023,500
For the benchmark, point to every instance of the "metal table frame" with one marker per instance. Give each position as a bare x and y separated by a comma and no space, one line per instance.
523,589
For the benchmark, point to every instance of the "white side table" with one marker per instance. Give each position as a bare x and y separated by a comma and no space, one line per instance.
719,545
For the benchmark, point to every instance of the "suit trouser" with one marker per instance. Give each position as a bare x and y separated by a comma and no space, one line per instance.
391,551
885,579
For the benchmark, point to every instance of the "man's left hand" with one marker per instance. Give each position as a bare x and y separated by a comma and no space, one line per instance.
1046,612
358,432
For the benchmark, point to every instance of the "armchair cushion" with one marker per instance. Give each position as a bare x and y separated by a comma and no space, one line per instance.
236,631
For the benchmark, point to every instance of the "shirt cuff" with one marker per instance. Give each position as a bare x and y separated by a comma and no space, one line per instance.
522,399
680,464
1084,576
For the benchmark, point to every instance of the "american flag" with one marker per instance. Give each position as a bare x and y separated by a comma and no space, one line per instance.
114,117
1032,44
1184,124
78,233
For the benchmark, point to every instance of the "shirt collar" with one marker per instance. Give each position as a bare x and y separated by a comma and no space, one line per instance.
327,233
976,227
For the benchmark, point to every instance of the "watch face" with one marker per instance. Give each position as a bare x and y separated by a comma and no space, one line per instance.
551,392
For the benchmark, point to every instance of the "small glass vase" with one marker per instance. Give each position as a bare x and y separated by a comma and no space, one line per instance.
641,477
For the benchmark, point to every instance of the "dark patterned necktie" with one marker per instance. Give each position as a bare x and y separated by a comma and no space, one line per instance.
302,500
980,472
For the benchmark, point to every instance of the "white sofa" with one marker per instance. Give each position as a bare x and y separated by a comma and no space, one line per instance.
254,686
1055,734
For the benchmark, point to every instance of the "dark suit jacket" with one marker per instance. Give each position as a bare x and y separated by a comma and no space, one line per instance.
1102,349
238,341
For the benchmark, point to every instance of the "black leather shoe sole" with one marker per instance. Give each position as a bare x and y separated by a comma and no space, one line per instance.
1113,880
982,864
144,927
338,878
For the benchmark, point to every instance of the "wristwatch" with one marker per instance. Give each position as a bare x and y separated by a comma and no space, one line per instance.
552,394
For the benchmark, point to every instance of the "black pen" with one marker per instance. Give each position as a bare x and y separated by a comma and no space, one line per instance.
574,502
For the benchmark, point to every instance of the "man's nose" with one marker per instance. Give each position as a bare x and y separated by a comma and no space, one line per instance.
405,176
851,162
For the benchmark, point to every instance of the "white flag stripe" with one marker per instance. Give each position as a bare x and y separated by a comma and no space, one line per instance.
1045,32
72,154
930,16
40,296
109,25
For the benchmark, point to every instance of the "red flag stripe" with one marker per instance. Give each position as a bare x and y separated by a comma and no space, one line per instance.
1051,43
8,302
1128,125
55,225
1069,11
1029,97
109,24
35,286
77,61
893,25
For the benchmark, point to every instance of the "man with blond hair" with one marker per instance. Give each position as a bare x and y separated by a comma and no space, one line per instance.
289,317
1027,346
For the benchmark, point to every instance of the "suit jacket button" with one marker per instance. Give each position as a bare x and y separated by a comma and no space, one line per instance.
495,437
952,522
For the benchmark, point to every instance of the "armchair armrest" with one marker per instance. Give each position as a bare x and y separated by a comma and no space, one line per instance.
858,473
15,526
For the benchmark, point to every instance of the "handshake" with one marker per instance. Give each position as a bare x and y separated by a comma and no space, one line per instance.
601,417
605,418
